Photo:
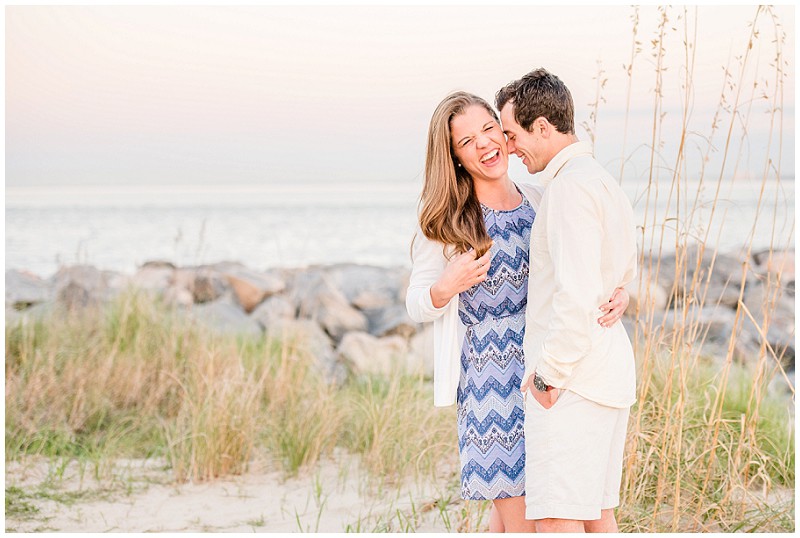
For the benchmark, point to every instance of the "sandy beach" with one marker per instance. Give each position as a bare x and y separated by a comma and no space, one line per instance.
140,496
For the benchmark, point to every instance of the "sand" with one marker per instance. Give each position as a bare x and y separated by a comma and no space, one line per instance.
140,496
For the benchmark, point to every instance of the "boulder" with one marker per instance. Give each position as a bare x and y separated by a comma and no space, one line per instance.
208,285
177,296
366,354
81,286
776,302
225,316
723,284
188,286
158,264
780,262
119,283
39,312
273,310
421,351
13,316
251,287
711,325
368,287
24,289
153,277
391,320
654,296
318,299
307,338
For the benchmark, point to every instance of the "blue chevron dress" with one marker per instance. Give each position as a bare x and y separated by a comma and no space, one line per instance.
491,441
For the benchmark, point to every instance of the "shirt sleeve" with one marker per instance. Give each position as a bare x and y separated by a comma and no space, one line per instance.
574,237
427,264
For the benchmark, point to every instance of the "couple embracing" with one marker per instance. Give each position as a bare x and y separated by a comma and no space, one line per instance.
524,285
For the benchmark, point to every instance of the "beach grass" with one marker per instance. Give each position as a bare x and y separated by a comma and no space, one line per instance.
161,387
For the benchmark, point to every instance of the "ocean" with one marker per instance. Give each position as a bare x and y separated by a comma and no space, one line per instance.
295,225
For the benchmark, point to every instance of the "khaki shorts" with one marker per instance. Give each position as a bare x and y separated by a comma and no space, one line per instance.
573,452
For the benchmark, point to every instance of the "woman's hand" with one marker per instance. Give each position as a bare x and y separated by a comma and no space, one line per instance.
614,308
463,272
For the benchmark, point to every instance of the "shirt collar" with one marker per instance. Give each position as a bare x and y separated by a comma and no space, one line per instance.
561,158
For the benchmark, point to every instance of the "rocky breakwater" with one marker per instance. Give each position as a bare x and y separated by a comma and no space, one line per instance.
710,297
352,318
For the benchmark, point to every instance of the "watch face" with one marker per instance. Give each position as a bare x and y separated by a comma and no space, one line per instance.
539,383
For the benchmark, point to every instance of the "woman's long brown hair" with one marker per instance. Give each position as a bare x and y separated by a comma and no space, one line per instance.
449,209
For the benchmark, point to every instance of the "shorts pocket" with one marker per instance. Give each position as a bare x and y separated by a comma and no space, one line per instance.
540,407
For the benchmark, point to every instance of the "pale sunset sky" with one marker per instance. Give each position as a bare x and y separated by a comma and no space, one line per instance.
200,95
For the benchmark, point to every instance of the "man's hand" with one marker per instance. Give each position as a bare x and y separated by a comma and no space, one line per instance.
548,398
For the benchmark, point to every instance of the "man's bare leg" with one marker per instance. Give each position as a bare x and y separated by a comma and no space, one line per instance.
606,523
559,525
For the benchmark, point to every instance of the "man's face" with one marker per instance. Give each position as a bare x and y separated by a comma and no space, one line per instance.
526,145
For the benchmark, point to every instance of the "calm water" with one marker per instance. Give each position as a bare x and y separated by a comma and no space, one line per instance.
290,225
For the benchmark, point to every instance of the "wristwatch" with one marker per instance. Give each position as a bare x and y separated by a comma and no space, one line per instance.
539,384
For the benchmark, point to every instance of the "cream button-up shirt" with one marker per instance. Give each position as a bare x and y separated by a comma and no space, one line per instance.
582,247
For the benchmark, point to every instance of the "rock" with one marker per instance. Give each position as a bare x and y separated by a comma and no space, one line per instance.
306,337
783,344
225,316
189,286
782,385
716,322
778,302
24,289
391,320
176,296
39,312
119,283
421,351
317,299
714,325
80,286
13,317
153,277
654,296
273,310
251,287
781,262
368,287
208,286
158,264
723,285
366,354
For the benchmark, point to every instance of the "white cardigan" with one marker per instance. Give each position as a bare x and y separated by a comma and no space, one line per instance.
428,261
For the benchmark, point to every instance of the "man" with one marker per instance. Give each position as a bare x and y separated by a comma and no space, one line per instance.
579,379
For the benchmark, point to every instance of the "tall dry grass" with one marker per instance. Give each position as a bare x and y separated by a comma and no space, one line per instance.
707,443
137,379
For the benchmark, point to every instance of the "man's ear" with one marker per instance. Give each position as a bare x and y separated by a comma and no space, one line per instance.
542,127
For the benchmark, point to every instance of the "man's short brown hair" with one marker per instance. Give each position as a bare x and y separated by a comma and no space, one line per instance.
539,94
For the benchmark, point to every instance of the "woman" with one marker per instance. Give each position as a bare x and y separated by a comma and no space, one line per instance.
470,276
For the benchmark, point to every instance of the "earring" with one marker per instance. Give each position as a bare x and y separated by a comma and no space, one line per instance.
459,165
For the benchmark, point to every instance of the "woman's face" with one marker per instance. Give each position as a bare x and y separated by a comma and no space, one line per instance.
479,144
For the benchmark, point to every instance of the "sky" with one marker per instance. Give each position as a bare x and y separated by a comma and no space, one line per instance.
188,95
